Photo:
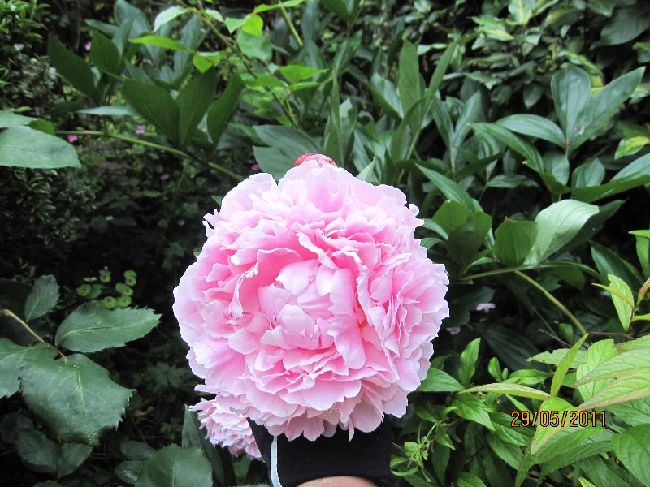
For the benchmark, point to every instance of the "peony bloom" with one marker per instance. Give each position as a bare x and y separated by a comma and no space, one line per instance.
311,305
226,428
320,159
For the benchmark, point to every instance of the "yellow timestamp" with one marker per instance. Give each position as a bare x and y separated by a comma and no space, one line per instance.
572,419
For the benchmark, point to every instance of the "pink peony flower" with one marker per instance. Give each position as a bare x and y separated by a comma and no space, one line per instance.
311,305
226,428
320,159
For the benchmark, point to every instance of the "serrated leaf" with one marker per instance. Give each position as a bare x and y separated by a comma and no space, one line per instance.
468,359
12,357
472,408
71,456
618,366
544,434
554,357
632,386
162,42
26,147
174,466
167,15
92,327
439,381
42,298
466,479
511,389
511,454
633,449
564,365
74,397
556,226
622,298
597,353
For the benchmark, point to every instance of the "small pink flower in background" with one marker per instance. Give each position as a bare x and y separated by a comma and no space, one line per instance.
140,130
226,428
320,159
311,304
255,168
485,306
88,45
72,138
164,177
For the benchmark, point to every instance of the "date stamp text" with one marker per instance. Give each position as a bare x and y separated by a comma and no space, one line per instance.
572,419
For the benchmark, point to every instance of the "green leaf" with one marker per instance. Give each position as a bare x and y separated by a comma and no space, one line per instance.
509,453
632,447
115,111
10,119
167,15
174,466
608,262
155,104
472,408
26,147
599,109
441,69
74,69
589,174
193,437
104,55
514,239
385,95
450,216
71,456
37,451
618,366
511,389
92,327
342,8
258,47
633,413
623,299
543,434
286,145
564,365
162,42
643,249
554,357
466,479
11,356
439,381
223,109
409,83
468,359
521,11
286,4
631,146
556,226
635,174
42,298
627,25
521,147
193,101
450,189
572,445
632,386
534,126
73,396
295,73
571,89
597,353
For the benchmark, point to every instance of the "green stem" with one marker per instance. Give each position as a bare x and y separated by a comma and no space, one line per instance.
292,28
508,270
553,300
12,315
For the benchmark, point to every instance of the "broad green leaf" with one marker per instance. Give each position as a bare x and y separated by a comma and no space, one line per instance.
74,397
71,456
556,226
193,101
468,359
492,28
597,354
618,366
450,216
514,239
174,466
589,174
155,104
635,174
608,262
466,479
202,63
511,389
12,358
521,11
464,242
521,147
439,381
343,8
554,357
571,89
286,145
115,111
631,145
223,109
599,109
572,445
194,437
544,434
633,413
258,47
162,42
642,343
441,69
10,119
296,72
627,24
44,296
623,299
26,147
75,70
385,95
92,327
632,447
167,15
557,166
564,365
104,55
409,83
534,126
37,451
450,189
136,450
632,386
472,408
511,454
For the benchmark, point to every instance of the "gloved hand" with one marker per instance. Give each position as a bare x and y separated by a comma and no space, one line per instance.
290,463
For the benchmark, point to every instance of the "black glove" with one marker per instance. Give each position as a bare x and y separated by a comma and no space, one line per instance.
301,460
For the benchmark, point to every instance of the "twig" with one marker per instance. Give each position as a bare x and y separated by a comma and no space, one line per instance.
12,315
292,28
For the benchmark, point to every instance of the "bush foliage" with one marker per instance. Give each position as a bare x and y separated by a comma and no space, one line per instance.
518,127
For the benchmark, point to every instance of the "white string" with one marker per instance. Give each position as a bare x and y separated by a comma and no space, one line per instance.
275,477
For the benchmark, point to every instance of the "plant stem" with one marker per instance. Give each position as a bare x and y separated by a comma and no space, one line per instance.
292,28
508,270
12,315
553,300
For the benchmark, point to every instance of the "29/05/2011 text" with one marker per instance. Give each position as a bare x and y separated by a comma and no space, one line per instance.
572,419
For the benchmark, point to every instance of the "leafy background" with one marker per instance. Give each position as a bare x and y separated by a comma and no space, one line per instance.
519,128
